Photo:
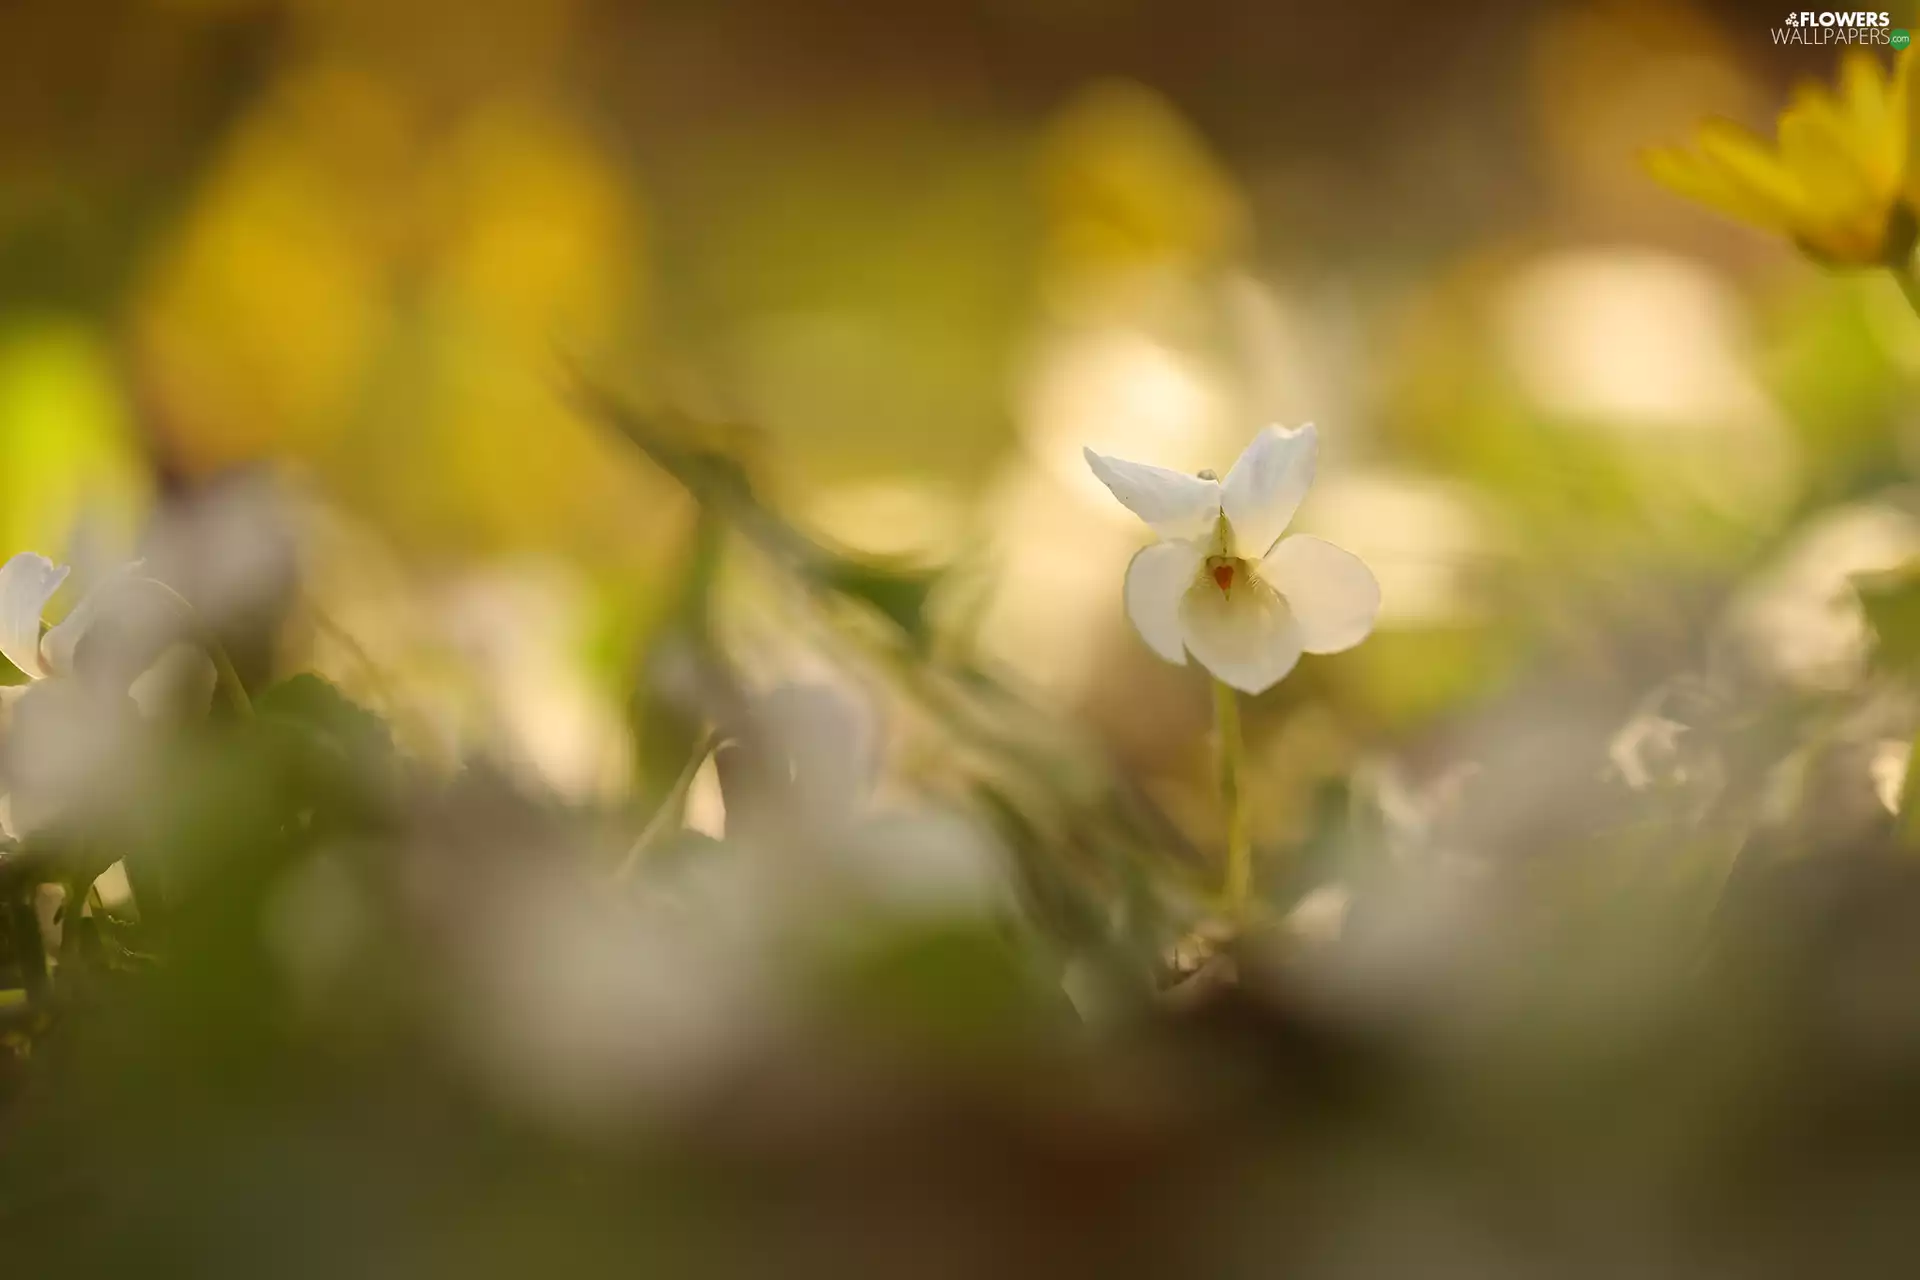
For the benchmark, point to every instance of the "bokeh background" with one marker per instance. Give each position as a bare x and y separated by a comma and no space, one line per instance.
922,257
380,266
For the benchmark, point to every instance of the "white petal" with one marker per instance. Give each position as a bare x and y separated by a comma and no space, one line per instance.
66,745
1174,504
1246,638
1265,487
27,582
1157,578
1333,595
64,638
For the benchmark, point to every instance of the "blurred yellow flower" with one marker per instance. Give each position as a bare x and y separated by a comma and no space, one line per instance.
1841,181
1129,184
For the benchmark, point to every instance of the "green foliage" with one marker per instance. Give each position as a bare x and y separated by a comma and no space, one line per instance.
899,594
327,719
947,989
1892,604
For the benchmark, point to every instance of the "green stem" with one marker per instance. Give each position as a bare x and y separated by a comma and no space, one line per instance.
1233,760
1909,282
672,810
229,678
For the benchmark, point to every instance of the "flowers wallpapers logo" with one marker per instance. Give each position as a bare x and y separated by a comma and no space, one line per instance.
1828,27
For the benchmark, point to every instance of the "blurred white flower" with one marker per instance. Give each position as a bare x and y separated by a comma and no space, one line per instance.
1799,619
1888,769
155,662
1222,584
27,582
1321,916
1646,750
66,736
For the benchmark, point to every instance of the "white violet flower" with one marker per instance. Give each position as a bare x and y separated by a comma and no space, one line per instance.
27,583
65,732
1222,584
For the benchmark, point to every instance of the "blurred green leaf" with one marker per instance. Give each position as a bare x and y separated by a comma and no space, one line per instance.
318,707
1892,604
696,457
950,985
666,729
899,594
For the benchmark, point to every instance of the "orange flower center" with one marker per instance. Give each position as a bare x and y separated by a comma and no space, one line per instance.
1223,575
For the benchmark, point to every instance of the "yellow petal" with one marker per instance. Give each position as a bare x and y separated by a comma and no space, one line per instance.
1906,108
1816,147
1749,165
1701,180
1846,214
1876,132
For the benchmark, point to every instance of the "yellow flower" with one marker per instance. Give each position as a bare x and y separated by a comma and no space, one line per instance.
1842,180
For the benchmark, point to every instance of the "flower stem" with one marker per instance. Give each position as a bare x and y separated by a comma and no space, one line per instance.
1233,759
1909,282
229,678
